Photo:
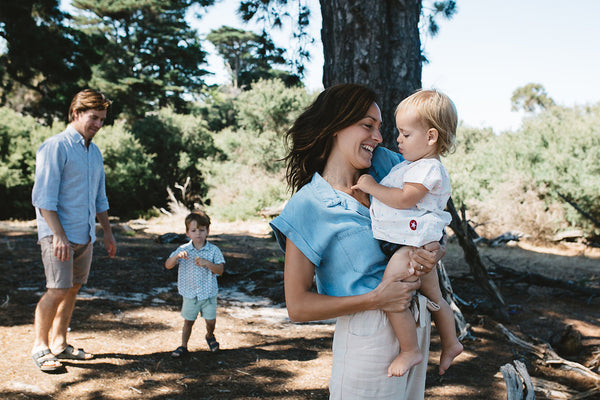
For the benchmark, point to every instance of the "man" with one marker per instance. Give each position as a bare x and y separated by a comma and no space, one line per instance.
68,194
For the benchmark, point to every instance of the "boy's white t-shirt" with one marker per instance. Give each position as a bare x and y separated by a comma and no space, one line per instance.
423,223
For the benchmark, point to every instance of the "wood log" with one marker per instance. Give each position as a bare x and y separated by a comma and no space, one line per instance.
514,385
461,230
541,280
463,328
545,353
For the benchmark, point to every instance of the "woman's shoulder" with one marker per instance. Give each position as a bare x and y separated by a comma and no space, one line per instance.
383,161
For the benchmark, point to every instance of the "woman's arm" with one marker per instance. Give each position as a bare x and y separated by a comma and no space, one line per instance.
305,305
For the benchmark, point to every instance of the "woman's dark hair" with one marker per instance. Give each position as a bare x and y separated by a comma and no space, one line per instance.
311,137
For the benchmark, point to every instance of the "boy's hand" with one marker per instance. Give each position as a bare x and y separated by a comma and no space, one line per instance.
201,262
365,183
182,254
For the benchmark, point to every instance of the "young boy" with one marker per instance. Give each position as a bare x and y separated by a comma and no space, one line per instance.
200,262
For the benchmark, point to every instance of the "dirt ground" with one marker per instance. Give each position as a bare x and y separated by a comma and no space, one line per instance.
128,316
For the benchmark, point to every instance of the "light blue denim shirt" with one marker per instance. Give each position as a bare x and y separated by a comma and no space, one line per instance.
69,179
333,230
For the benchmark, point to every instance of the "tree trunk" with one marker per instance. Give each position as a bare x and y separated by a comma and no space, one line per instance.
375,43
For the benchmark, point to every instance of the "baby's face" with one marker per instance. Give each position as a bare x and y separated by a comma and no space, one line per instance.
414,139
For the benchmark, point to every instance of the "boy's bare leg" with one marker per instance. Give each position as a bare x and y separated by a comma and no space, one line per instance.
210,327
403,322
186,332
444,320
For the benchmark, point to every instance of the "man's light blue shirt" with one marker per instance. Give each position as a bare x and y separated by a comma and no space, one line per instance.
69,179
333,230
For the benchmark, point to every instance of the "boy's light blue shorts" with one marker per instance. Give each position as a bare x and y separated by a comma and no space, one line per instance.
207,308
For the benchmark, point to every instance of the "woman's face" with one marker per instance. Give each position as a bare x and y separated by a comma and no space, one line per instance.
355,144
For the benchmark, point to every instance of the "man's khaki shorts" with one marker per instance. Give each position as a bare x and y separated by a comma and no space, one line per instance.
64,274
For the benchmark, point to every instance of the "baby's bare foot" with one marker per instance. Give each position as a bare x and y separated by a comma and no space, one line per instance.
448,355
403,362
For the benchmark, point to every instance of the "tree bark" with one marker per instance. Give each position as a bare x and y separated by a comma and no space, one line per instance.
375,43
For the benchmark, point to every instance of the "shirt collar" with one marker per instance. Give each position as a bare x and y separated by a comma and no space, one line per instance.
332,197
74,136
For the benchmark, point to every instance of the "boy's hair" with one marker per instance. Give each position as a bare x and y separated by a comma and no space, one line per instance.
437,111
88,99
200,217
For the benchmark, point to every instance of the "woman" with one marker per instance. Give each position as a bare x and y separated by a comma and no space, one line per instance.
325,231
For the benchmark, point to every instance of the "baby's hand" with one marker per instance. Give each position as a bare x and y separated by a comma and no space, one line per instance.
182,254
365,182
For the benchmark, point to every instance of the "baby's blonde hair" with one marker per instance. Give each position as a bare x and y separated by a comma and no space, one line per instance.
437,111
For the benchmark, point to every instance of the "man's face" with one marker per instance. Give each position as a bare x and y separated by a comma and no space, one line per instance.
88,123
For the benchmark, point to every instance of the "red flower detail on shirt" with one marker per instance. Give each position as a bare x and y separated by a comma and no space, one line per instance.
413,225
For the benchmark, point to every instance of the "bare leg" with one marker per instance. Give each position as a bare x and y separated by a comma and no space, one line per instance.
210,327
403,322
444,320
186,332
45,312
62,320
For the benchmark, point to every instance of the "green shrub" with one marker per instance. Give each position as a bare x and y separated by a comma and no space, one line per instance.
129,170
270,106
556,151
20,137
178,144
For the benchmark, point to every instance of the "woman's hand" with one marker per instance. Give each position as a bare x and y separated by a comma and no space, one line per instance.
394,295
423,259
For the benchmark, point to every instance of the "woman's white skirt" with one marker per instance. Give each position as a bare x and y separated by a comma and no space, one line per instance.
364,345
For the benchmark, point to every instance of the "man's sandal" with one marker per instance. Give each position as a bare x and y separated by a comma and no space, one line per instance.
213,345
46,361
180,352
71,353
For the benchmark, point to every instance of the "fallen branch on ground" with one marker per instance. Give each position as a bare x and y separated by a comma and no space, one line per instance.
540,280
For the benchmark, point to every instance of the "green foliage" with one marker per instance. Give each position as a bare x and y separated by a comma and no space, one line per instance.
46,61
217,108
129,170
19,139
269,105
531,98
251,178
248,56
152,59
556,151
178,144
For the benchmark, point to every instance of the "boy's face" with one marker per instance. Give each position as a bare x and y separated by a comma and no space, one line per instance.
197,234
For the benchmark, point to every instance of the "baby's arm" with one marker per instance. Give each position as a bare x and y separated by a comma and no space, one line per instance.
406,197
216,269
172,261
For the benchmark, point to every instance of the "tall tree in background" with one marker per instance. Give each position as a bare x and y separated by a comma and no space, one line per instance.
374,43
531,98
248,56
45,60
153,58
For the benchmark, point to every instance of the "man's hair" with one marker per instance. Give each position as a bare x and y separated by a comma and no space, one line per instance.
88,99
200,217
437,111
